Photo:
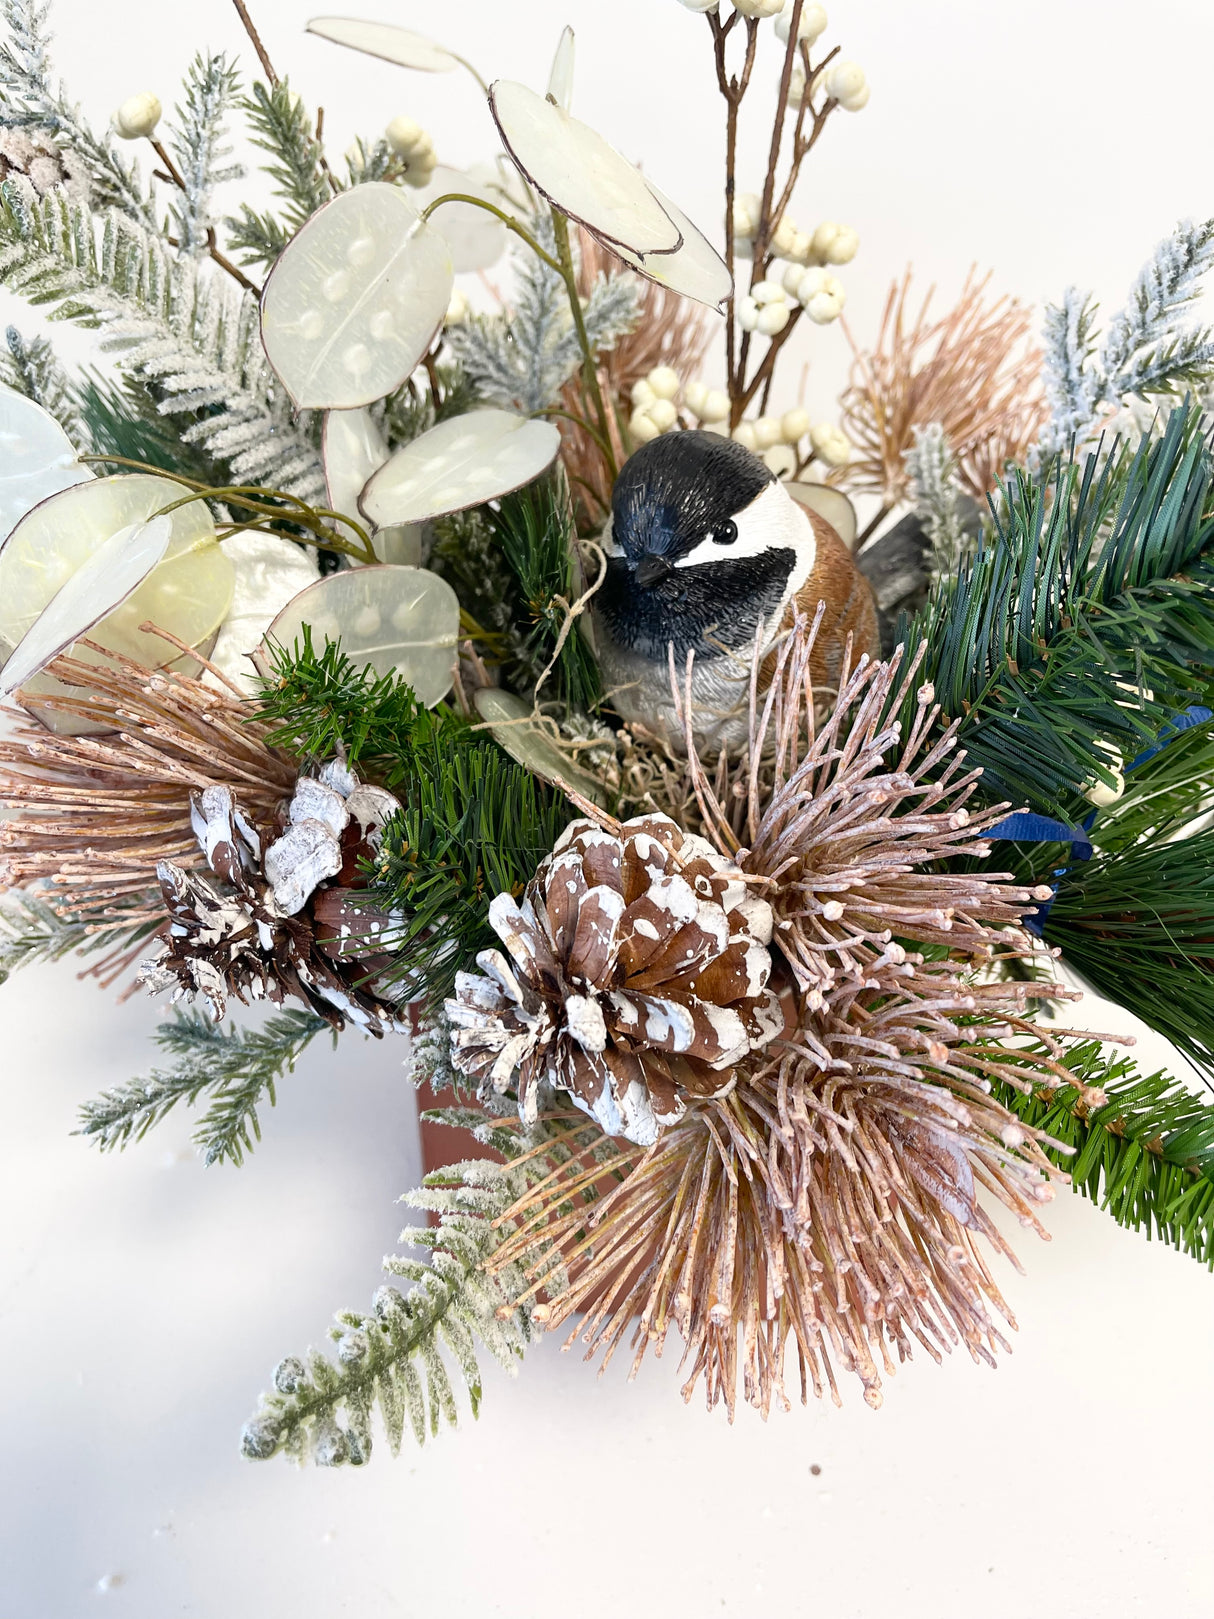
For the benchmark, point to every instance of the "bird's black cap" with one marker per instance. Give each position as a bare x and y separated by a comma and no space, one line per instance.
680,487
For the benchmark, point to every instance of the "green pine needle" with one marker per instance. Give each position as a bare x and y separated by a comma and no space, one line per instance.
1082,620
1145,1153
535,531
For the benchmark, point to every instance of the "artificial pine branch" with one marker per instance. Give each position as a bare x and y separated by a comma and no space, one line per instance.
28,101
1138,923
237,1067
1142,1148
534,529
936,492
1080,623
190,337
31,932
474,824
1146,352
120,417
282,127
321,703
199,143
393,1358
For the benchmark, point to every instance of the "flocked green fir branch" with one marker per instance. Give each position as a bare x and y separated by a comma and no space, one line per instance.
31,932
281,126
235,1069
394,1359
198,140
29,100
170,322
1081,622
1147,350
1142,1148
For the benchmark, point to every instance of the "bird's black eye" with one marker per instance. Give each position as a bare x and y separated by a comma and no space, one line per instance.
726,534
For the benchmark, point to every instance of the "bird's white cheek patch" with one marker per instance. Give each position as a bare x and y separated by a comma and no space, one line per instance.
772,522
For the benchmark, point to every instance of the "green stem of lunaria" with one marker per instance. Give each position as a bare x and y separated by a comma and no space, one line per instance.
508,220
560,226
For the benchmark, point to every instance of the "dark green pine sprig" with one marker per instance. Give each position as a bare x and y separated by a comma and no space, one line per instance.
1138,923
535,530
321,703
1142,1148
474,824
1082,620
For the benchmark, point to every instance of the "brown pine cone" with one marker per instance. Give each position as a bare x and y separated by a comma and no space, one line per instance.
637,978
274,927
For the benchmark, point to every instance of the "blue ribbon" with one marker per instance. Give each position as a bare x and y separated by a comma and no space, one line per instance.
1026,826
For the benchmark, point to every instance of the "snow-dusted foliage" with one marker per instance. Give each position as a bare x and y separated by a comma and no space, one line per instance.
524,358
189,335
1147,351
200,145
936,490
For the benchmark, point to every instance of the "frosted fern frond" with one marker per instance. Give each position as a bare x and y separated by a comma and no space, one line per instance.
1146,352
192,337
935,490
199,143
31,367
523,359
29,101
237,1069
282,127
399,1357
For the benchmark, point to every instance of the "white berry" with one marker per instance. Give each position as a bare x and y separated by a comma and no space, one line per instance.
137,116
767,432
758,8
663,414
794,274
834,244
457,309
664,380
748,313
716,406
781,460
822,295
744,433
642,427
783,237
773,318
847,83
812,24
746,211
642,393
831,444
700,5
767,292
694,395
794,424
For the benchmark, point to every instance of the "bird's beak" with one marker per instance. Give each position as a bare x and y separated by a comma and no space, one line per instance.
652,570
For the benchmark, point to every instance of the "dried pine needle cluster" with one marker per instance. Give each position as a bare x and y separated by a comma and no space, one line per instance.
830,1200
972,371
95,813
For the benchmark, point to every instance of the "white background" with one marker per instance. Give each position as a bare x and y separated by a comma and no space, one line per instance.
144,1299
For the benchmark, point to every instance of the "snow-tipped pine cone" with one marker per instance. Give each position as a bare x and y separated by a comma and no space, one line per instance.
636,978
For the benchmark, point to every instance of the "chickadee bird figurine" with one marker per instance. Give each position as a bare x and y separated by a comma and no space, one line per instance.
704,545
